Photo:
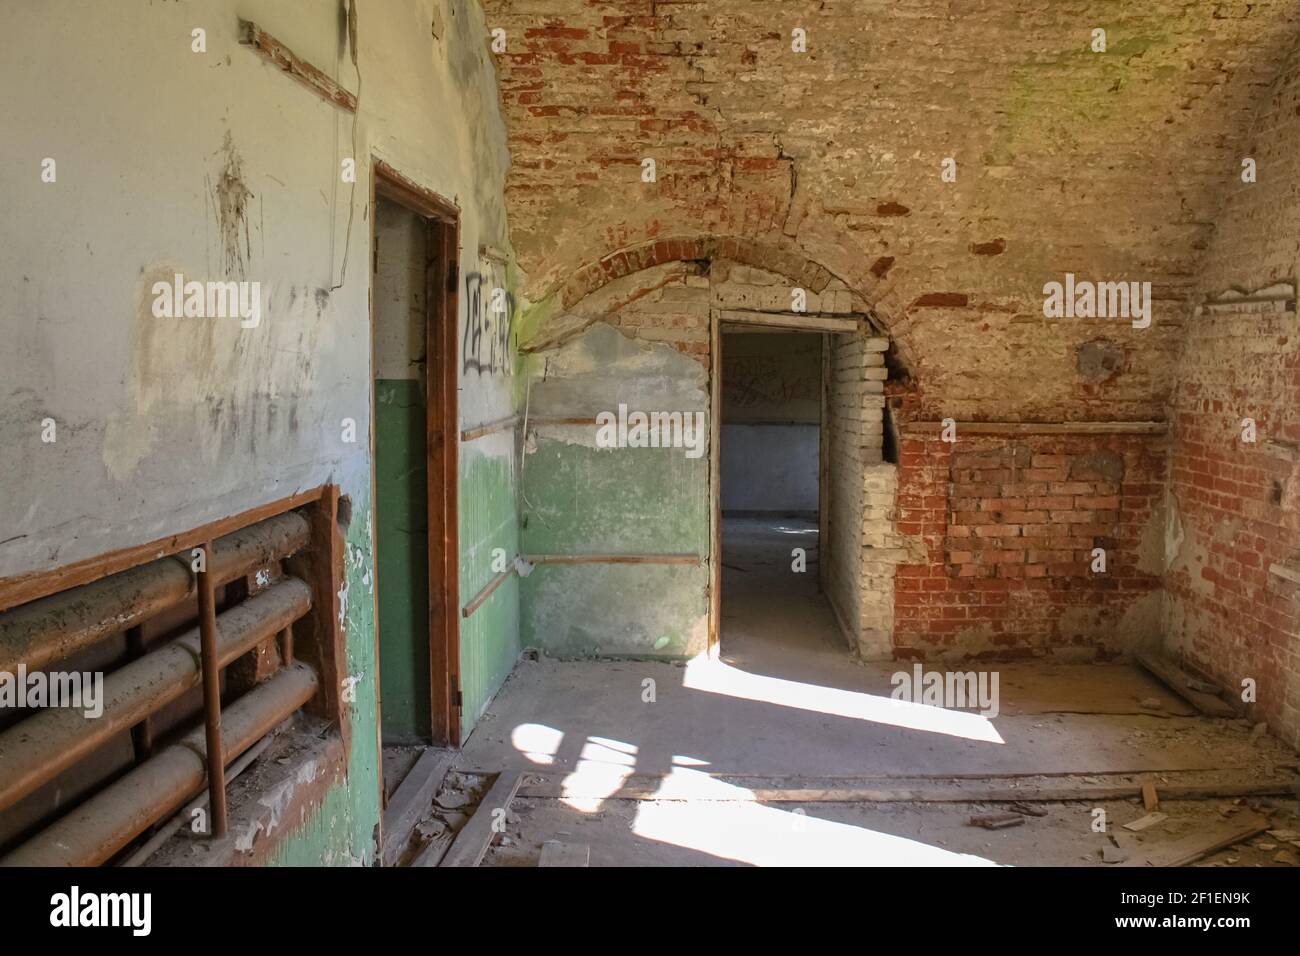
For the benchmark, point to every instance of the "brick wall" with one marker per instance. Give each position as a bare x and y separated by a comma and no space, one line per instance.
1009,523
1237,508
834,155
1234,600
771,158
861,549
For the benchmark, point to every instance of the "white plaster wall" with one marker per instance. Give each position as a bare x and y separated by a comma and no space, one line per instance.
164,424
769,467
398,296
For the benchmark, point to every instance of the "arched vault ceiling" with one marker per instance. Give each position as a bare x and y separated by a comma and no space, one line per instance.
1111,165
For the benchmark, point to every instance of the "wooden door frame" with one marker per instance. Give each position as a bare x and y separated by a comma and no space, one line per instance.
442,441
714,649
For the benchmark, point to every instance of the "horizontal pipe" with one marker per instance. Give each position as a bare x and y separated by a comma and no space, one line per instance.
141,854
39,748
490,428
54,627
536,422
497,580
112,818
1043,428
613,558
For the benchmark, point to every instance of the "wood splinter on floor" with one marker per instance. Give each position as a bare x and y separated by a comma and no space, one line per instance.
1150,799
1150,820
997,821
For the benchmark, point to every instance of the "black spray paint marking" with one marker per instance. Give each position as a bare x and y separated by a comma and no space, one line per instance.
489,319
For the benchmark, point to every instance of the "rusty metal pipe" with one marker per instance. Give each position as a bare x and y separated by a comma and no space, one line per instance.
39,632
37,749
141,733
212,698
98,828
142,853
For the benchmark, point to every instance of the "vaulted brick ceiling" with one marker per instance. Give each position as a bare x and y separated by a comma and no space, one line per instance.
1110,165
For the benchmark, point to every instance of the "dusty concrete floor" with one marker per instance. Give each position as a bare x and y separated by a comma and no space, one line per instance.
785,698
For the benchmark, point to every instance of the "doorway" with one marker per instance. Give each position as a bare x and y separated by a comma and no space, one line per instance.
771,430
414,442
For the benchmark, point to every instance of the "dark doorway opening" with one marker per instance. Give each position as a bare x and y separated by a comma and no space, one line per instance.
770,479
414,442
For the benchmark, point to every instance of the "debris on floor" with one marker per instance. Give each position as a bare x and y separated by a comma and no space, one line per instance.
451,808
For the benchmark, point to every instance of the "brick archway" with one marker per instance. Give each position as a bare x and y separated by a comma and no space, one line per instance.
783,259
861,547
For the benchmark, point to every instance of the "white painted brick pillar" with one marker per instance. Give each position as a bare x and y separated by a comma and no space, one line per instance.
863,549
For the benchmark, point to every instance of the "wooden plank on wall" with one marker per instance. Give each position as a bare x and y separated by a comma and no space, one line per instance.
490,428
284,59
787,321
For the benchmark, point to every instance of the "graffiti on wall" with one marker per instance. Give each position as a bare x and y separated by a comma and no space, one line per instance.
489,320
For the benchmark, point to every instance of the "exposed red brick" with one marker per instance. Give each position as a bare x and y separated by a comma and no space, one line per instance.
892,208
941,300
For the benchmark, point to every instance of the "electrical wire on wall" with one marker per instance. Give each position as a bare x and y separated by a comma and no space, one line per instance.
523,443
350,15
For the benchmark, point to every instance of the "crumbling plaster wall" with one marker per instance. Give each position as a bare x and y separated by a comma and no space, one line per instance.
642,341
219,166
1104,164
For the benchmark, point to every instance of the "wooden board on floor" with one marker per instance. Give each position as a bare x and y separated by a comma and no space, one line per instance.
728,788
473,840
1201,844
1173,677
433,851
412,800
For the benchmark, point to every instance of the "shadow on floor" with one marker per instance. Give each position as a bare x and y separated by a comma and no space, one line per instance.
786,699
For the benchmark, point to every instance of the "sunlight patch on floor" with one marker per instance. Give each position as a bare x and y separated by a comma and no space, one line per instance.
727,824
719,677
537,742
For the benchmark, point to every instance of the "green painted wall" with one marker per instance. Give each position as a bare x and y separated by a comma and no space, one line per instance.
402,524
583,500
616,610
632,500
341,832
579,498
489,638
